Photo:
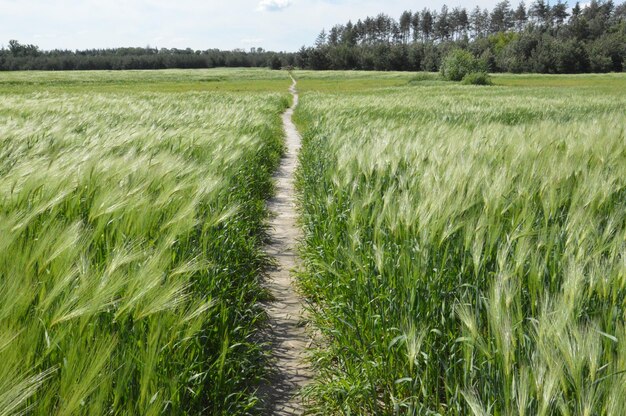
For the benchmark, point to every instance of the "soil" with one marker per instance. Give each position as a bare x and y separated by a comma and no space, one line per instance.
288,336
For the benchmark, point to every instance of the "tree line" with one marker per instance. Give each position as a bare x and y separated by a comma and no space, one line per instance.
19,56
541,38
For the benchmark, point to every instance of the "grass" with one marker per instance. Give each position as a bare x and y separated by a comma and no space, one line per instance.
340,82
131,224
464,247
611,84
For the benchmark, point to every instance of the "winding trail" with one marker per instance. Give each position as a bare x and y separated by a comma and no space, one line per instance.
288,336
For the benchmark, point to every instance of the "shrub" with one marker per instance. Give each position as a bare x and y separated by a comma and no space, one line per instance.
275,63
459,63
477,78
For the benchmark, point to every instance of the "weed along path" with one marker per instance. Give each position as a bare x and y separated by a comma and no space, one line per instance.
288,337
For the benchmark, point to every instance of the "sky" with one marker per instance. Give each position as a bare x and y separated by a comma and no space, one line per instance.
278,25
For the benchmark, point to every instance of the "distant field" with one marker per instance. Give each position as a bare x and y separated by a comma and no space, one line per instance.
613,84
165,81
131,221
361,81
465,247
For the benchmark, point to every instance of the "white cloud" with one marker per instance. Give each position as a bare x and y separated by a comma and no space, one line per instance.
273,5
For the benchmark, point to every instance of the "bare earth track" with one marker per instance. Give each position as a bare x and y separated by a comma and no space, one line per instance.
288,336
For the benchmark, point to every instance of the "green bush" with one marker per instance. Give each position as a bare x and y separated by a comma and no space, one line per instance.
459,63
275,63
477,78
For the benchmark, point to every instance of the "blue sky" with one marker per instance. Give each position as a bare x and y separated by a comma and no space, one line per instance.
228,24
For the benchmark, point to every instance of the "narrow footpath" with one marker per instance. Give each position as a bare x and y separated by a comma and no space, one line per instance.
288,336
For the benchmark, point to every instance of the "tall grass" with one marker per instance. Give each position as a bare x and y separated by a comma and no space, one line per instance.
465,250
130,250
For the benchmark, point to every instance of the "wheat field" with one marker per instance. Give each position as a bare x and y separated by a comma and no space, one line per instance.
465,247
463,251
131,228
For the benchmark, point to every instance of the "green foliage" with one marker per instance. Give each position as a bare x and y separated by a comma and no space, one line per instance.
477,78
458,63
540,39
17,49
464,247
501,40
275,63
30,57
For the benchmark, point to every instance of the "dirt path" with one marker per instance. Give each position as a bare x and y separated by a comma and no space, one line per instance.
288,337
